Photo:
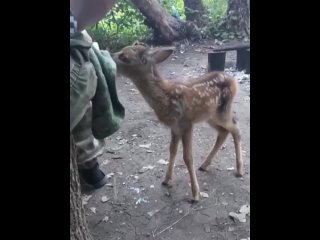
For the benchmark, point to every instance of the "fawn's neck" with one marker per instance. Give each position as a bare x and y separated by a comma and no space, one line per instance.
154,89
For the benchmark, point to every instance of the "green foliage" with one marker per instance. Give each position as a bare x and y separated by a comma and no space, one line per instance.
121,26
217,9
216,28
125,24
178,4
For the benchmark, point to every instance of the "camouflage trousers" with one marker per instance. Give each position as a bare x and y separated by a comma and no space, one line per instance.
83,84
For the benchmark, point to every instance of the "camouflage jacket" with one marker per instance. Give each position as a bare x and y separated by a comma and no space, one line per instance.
107,111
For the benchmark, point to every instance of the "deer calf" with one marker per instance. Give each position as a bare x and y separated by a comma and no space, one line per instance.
180,105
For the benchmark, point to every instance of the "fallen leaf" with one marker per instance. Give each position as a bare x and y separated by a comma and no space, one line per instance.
207,228
137,190
104,199
245,209
203,194
144,169
231,229
241,217
123,141
141,200
85,199
145,145
163,162
151,213
116,148
110,175
93,209
105,162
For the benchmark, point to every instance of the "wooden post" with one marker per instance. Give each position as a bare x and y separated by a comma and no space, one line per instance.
241,59
216,61
248,61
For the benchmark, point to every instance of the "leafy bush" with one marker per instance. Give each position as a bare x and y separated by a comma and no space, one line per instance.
217,10
121,26
178,4
125,24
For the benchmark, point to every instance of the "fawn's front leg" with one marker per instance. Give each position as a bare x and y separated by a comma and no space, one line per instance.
175,138
188,159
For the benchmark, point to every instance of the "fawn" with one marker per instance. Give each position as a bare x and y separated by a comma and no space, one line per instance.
180,105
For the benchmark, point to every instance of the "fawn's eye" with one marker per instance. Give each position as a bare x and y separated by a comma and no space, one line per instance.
123,58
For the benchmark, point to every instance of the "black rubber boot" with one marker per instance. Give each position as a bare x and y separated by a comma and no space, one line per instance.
93,176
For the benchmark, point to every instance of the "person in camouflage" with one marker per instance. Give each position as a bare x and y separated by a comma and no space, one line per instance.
95,111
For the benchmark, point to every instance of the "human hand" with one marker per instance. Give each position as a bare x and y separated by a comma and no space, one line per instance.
86,36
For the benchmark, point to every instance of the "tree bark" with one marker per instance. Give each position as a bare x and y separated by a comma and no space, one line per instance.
195,12
238,17
78,225
167,29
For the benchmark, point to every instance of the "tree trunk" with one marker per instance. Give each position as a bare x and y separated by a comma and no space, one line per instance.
166,28
195,12
78,225
238,17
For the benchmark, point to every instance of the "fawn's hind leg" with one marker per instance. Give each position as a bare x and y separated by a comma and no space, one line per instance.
233,128
222,136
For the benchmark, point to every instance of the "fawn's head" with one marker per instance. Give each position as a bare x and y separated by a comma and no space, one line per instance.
138,59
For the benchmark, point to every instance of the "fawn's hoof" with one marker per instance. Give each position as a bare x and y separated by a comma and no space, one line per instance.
193,201
202,169
167,184
239,174
196,197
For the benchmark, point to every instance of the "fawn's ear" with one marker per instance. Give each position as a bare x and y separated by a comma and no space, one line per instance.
158,55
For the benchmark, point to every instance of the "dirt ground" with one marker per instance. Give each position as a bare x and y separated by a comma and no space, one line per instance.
135,205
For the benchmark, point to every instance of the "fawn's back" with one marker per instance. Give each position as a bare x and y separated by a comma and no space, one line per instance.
208,97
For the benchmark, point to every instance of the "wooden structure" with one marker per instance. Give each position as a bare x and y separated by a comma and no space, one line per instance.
217,58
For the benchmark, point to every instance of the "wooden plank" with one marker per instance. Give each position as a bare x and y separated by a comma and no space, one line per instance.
230,47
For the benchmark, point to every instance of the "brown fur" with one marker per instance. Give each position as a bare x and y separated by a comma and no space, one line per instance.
180,105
